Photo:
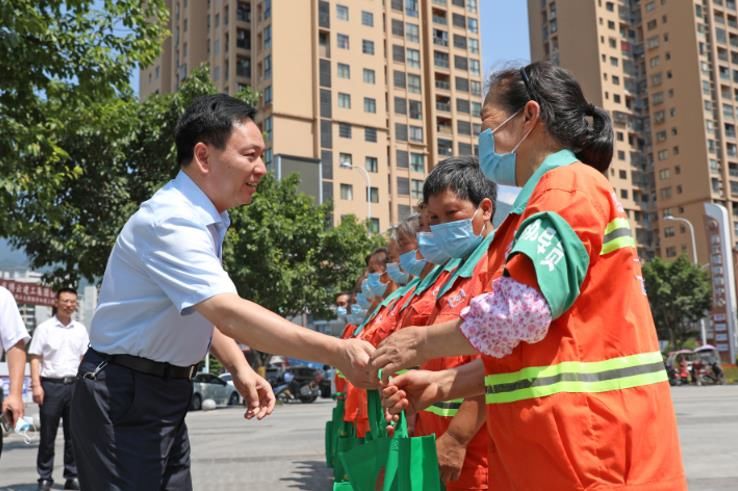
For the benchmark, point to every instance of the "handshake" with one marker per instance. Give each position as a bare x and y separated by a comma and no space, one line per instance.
414,390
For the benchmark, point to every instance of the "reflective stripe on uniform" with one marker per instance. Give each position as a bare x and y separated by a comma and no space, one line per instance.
340,374
576,376
617,236
446,409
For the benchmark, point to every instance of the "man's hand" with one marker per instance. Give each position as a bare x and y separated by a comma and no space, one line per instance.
403,349
38,394
355,357
412,391
451,454
13,406
257,393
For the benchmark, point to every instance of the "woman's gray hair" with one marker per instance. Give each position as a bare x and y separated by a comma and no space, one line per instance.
408,227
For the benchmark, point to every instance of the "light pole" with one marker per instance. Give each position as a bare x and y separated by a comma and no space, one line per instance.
703,329
368,180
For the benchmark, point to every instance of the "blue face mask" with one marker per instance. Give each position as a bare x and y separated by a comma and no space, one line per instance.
357,314
341,312
457,238
498,167
376,287
365,288
396,274
410,263
430,248
362,301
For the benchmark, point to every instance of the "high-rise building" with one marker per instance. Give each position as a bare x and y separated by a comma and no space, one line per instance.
360,97
667,70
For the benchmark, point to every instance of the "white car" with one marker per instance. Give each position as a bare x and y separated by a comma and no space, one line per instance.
206,386
229,380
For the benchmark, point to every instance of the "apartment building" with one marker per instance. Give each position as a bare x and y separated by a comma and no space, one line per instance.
360,97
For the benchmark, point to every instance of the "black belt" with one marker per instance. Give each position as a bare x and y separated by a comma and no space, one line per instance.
62,380
150,367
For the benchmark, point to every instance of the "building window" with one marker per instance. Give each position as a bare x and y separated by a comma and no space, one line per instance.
267,67
398,53
267,94
416,134
474,67
345,159
342,12
462,105
374,225
344,71
400,105
413,58
344,100
417,162
344,130
369,76
415,110
343,41
463,127
411,8
399,79
398,28
367,18
412,33
372,195
461,62
267,37
401,132
371,164
458,20
472,25
416,189
413,83
347,192
370,135
401,156
403,186
370,105
367,47
473,46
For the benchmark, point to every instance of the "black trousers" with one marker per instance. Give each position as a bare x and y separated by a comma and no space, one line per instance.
57,406
129,430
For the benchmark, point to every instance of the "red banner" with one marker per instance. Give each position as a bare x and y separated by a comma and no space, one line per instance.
29,293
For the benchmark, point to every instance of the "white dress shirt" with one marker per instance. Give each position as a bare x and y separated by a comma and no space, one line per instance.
60,347
164,262
12,328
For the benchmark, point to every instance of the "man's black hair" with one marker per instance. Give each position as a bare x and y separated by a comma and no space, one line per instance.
463,176
65,289
209,119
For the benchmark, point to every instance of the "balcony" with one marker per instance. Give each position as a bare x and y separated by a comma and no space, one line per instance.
443,106
443,84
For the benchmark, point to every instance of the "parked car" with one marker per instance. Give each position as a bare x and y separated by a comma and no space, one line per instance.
229,380
207,386
303,370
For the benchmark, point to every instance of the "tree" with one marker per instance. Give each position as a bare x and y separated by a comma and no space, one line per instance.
61,60
680,295
281,254
118,152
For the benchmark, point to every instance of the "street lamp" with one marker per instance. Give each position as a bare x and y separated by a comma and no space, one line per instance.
703,329
346,165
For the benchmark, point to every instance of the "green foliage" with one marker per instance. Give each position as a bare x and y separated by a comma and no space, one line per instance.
60,60
680,295
280,253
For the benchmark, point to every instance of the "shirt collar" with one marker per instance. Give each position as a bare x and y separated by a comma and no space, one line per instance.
206,213
552,161
59,323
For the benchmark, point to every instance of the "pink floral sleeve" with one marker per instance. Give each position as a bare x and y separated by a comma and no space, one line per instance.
496,322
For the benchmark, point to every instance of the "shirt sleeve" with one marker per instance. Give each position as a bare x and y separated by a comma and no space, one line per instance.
12,328
38,341
180,258
496,322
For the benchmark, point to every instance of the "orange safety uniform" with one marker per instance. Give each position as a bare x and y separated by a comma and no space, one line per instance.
466,282
383,317
419,306
589,406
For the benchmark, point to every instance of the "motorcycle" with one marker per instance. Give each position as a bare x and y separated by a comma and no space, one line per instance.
294,387
711,372
679,366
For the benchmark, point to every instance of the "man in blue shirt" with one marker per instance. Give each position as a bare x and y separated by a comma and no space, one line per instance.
163,290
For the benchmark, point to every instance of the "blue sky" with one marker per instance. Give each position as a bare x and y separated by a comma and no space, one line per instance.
504,26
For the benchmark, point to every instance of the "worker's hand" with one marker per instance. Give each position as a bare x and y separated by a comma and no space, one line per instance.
355,357
411,392
38,394
403,349
451,454
13,406
256,391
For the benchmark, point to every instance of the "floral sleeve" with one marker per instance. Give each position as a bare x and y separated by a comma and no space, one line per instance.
496,322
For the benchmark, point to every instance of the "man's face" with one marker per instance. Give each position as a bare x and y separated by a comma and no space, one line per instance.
377,263
342,300
232,174
66,303
446,206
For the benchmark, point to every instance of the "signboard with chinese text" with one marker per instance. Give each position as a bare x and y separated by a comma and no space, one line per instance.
25,292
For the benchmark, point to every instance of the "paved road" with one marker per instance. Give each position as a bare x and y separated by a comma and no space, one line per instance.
285,452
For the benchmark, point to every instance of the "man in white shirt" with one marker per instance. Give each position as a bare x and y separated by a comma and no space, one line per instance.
13,338
163,291
56,351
